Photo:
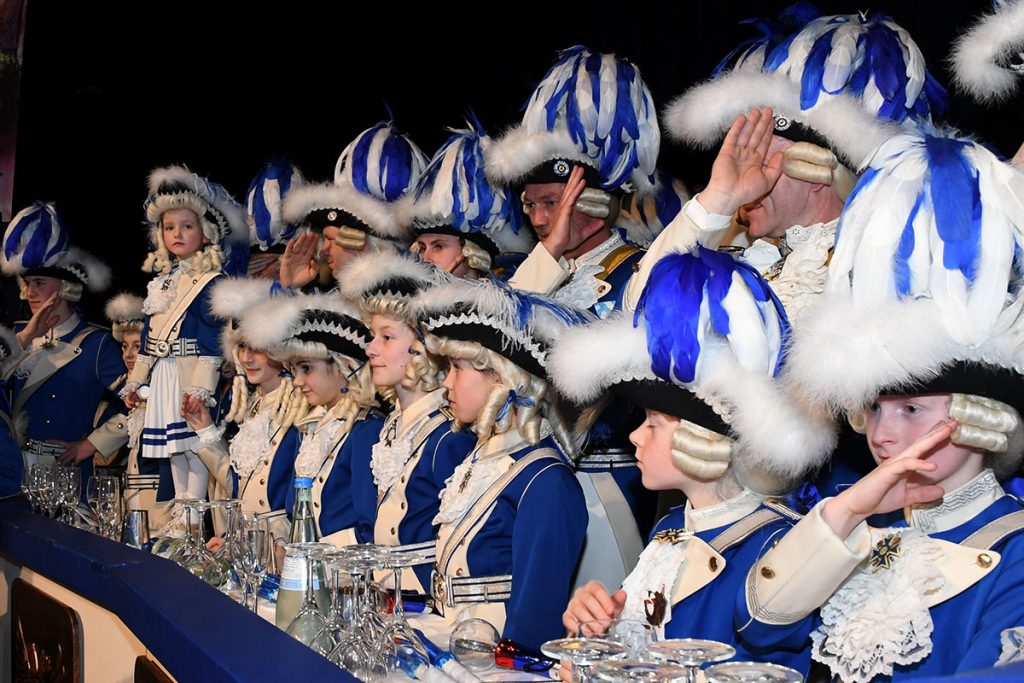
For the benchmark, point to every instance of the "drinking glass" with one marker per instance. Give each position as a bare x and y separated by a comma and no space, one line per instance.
751,672
583,653
310,620
630,670
692,653
253,557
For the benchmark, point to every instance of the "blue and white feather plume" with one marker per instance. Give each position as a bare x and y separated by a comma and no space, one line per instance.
264,203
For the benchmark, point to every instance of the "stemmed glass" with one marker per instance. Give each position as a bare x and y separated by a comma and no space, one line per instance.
30,487
198,561
70,480
48,488
309,621
692,653
636,635
354,651
751,672
398,635
630,670
218,570
583,653
102,494
254,553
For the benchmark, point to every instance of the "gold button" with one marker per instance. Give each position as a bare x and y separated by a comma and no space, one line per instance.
768,572
120,425
402,506
458,572
462,542
984,560
771,501
321,480
261,502
636,267
263,481
392,531
402,479
713,564
776,542
316,505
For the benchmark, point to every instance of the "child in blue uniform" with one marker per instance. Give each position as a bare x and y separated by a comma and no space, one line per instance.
69,366
703,392
916,569
512,516
322,341
418,448
194,226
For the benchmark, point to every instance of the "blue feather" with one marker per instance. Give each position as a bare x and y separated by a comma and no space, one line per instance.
359,159
901,259
814,70
953,185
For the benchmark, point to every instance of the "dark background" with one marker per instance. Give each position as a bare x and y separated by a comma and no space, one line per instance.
110,93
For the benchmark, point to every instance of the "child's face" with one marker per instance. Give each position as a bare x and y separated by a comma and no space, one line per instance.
468,389
895,422
182,232
653,441
258,366
320,381
389,351
131,342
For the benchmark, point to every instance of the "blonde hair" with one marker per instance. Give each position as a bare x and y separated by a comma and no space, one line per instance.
350,238
535,405
699,452
289,404
990,426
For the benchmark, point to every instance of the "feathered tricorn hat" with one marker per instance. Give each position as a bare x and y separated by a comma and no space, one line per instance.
843,82
263,202
705,345
590,109
37,243
307,326
516,325
454,197
925,294
176,187
124,312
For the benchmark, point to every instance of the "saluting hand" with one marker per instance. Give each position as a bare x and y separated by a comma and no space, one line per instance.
299,264
885,489
555,235
743,172
41,322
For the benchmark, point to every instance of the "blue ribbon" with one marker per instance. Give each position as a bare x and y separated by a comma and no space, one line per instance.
514,400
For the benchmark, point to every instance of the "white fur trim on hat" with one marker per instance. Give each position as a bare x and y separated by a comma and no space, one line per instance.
701,116
233,297
97,274
510,159
369,271
976,54
271,324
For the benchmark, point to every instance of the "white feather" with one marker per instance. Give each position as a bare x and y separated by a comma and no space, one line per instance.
370,270
124,307
232,297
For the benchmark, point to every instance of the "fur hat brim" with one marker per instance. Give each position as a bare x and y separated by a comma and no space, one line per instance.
381,217
196,193
976,54
702,115
510,159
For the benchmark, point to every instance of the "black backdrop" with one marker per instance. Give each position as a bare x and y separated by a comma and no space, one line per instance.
109,93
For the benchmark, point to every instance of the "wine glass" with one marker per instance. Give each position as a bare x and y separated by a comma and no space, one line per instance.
630,670
310,620
30,487
70,479
254,555
102,494
48,487
398,635
692,653
751,672
218,570
583,653
636,635
353,651
200,559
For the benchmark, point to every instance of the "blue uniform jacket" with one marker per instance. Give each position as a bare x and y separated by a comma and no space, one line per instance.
967,627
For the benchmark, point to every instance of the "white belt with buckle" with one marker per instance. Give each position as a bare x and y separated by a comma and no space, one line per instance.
39,447
461,590
161,348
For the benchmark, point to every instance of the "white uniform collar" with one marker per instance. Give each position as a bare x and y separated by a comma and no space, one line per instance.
958,506
411,416
721,514
597,254
66,327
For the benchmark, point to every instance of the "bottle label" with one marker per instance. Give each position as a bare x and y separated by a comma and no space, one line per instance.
293,574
